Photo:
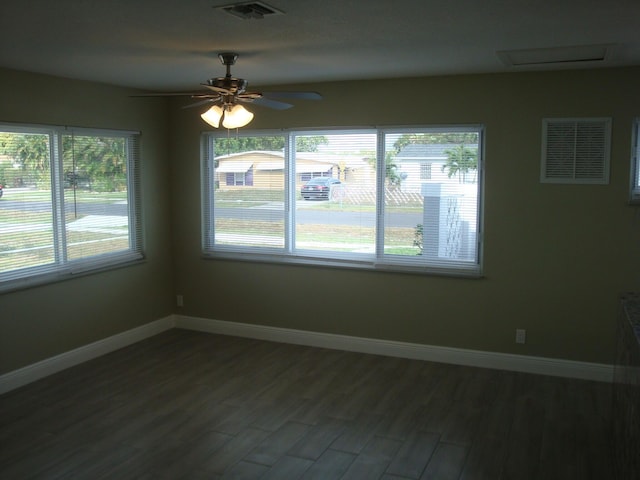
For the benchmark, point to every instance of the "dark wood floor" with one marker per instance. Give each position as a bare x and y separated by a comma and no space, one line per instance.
190,405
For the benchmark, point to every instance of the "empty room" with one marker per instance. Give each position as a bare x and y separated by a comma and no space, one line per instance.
332,240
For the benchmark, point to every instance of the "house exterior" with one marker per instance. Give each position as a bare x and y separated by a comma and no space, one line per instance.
265,169
449,213
420,163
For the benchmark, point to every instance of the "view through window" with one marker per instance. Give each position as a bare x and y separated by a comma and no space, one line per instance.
404,199
68,200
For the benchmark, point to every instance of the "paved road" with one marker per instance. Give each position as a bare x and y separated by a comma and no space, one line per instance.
111,209
313,216
274,213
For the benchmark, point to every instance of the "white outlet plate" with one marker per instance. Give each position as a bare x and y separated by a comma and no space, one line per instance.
179,300
521,335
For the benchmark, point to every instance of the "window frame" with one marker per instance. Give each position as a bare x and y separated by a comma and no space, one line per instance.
634,180
326,258
63,268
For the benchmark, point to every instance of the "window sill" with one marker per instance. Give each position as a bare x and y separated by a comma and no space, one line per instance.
472,272
50,277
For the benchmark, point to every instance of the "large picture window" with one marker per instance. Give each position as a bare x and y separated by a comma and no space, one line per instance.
353,198
68,202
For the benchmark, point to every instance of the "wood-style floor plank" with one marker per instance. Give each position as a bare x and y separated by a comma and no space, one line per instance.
374,459
446,464
331,464
413,456
190,405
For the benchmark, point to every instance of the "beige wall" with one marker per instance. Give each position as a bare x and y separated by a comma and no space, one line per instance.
41,322
556,257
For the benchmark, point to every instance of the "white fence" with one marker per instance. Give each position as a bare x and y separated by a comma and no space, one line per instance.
361,195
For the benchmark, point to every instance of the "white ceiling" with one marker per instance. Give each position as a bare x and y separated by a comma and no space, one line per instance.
172,45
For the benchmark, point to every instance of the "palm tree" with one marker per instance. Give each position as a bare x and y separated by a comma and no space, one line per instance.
460,160
391,168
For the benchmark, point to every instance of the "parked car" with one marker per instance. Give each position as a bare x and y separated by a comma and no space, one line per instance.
318,187
1,190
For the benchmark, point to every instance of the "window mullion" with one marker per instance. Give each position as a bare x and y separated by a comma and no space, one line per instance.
290,192
57,198
133,193
208,191
380,194
635,154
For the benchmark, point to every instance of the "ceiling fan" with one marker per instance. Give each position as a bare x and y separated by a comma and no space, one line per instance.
226,93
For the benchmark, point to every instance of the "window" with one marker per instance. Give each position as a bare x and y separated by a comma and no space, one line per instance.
69,202
354,198
425,171
240,178
635,163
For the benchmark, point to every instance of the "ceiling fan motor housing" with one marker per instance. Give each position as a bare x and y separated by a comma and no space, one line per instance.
234,85
228,58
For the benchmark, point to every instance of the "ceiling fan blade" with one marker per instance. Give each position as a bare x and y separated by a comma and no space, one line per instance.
248,96
217,89
168,94
294,95
202,102
265,102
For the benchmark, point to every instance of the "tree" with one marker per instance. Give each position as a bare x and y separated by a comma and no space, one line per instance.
30,154
310,144
229,145
391,168
460,160
439,138
101,161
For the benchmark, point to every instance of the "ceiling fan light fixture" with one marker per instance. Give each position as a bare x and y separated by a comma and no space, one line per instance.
236,117
213,116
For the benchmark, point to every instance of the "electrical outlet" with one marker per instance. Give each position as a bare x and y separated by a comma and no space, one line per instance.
521,335
180,300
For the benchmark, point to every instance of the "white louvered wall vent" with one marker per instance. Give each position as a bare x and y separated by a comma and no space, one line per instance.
576,150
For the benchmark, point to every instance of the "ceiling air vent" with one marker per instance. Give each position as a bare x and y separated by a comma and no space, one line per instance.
576,150
555,55
249,10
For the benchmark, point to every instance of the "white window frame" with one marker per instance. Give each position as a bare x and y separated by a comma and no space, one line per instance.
63,268
378,261
634,194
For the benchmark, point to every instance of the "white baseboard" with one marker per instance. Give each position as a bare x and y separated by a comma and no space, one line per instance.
49,366
457,356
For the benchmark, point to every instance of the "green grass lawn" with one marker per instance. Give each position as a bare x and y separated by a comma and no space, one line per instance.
27,195
398,241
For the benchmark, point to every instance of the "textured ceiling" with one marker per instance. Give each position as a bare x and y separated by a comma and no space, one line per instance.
172,45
